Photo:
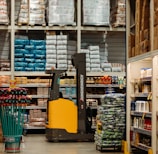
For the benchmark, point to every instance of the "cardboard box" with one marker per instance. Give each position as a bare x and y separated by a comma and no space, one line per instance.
155,5
155,42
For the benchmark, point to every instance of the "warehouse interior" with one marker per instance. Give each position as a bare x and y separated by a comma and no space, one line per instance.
78,76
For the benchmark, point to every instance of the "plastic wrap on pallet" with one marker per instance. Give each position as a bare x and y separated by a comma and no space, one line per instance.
37,12
61,12
96,12
23,16
4,19
111,115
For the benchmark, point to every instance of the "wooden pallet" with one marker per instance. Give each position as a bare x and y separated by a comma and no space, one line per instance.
43,25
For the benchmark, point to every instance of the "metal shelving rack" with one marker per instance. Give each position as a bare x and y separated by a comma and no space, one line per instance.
12,28
134,64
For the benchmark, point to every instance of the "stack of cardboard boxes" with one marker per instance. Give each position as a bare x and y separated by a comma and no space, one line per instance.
139,41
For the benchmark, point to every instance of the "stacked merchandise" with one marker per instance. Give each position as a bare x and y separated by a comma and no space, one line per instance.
42,91
42,102
117,67
62,62
93,41
39,54
94,58
118,13
32,12
56,51
51,50
4,19
37,12
107,67
88,61
110,121
36,118
23,16
71,50
4,79
96,12
4,51
60,12
103,53
30,55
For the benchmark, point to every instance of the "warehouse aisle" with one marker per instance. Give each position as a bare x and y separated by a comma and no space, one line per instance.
37,144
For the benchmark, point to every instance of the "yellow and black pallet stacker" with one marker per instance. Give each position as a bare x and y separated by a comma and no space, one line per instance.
67,121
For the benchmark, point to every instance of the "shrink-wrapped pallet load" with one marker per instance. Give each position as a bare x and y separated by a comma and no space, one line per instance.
4,19
96,12
111,121
23,16
37,12
61,12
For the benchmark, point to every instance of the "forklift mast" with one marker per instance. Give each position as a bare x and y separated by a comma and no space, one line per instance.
79,61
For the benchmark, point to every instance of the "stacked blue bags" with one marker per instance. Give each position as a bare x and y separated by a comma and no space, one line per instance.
30,55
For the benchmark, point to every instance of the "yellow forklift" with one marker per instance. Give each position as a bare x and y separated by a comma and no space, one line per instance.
67,121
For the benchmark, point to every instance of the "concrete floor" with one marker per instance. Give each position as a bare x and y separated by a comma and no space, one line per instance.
37,144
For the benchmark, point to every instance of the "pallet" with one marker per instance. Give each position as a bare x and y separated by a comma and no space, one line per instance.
22,24
4,24
61,25
108,148
43,25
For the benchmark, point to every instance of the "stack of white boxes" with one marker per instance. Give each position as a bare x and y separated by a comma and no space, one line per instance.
62,62
72,49
37,12
50,51
60,12
23,16
103,48
94,58
96,12
105,66
88,60
4,12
